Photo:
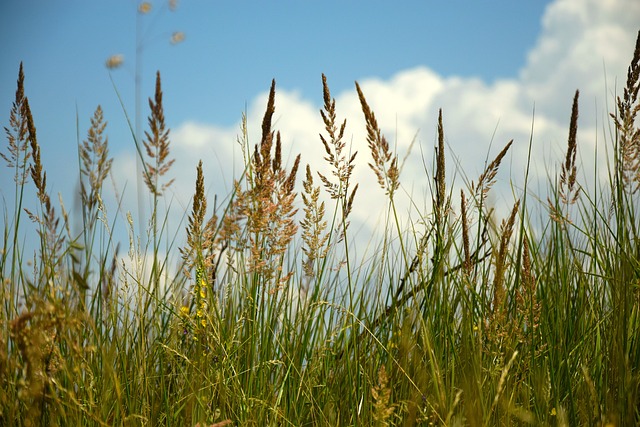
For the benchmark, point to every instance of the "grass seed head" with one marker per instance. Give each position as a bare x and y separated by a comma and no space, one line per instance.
488,176
568,191
628,108
157,144
385,164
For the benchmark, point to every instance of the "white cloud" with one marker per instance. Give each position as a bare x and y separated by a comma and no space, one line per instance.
579,40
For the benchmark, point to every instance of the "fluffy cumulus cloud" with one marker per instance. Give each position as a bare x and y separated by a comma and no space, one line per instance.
584,44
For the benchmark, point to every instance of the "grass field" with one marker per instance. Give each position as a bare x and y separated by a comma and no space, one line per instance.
463,318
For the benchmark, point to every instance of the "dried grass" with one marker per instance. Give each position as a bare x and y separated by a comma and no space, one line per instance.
383,409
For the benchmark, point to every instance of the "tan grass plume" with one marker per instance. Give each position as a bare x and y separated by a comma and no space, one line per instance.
625,121
95,163
157,143
341,162
19,153
385,163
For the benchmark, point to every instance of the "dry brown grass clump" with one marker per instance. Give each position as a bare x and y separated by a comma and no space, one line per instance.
383,409
35,334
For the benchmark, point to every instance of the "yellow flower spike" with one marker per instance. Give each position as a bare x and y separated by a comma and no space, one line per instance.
203,322
184,311
553,412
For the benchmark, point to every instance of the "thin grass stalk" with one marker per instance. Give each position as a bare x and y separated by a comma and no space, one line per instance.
568,190
385,167
342,166
480,191
157,147
17,158
438,289
626,243
441,207
94,166
50,241
340,190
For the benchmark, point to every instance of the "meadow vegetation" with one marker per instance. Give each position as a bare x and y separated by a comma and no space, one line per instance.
462,318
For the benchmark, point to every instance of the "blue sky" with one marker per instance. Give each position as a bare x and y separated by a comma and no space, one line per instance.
233,49
487,64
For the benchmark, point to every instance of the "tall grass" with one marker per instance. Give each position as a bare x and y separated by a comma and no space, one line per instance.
469,320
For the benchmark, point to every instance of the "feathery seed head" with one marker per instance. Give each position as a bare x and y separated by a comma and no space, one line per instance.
114,61
157,143
487,178
385,164
568,193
